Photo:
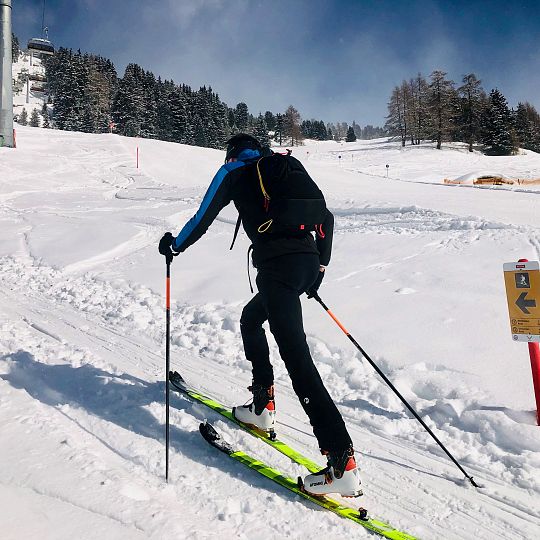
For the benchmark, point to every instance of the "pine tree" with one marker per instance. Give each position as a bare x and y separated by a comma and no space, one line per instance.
395,120
441,99
470,114
162,92
206,132
270,120
45,115
527,127
320,131
34,118
149,115
81,87
101,81
199,133
279,128
340,130
64,88
23,118
231,120
314,129
128,108
87,122
219,130
178,129
351,135
307,129
291,125
420,127
260,131
241,116
498,134
15,49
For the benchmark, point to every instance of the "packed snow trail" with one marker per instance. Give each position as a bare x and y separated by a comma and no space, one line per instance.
416,276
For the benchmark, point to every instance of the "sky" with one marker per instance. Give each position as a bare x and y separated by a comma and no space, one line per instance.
333,60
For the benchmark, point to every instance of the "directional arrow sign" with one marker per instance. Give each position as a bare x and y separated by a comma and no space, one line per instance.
522,280
522,303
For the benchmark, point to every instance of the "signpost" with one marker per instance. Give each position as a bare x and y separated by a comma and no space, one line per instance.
522,280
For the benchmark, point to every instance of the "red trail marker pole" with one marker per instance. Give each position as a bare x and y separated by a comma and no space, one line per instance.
534,353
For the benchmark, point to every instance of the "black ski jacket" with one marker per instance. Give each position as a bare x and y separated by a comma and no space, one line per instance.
238,182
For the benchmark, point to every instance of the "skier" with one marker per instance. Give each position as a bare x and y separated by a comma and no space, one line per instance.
287,266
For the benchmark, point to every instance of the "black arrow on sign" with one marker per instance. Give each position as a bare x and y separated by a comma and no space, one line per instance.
523,304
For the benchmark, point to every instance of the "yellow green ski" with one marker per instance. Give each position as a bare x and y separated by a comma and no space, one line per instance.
210,434
179,384
358,516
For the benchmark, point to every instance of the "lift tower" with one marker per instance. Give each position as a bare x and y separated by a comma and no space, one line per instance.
6,83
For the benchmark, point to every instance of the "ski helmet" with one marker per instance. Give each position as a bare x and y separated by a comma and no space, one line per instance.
239,142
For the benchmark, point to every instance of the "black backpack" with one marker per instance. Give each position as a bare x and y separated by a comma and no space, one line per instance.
292,202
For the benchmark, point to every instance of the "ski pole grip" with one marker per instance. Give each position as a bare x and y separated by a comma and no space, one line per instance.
316,296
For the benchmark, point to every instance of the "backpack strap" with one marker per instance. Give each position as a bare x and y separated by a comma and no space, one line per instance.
236,229
250,249
261,183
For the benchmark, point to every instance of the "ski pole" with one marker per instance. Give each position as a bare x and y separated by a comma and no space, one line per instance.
167,364
395,390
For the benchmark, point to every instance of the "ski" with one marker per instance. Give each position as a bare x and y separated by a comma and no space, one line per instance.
359,516
180,385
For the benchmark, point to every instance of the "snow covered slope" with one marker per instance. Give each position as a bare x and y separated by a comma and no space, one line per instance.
416,276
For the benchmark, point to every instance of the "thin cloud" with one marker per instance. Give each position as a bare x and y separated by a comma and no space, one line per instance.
333,60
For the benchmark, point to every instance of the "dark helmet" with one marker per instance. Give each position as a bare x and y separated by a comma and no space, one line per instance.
239,142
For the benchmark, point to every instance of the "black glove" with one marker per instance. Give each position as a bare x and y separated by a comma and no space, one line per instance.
165,247
312,291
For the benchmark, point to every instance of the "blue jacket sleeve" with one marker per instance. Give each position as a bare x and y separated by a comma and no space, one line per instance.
216,198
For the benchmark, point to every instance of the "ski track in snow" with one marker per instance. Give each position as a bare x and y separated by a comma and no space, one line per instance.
118,310
81,391
408,220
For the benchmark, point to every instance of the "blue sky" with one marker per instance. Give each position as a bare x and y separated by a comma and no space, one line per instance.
333,60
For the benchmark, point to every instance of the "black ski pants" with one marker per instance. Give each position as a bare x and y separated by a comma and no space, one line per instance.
280,282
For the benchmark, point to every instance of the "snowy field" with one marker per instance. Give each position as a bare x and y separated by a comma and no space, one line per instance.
416,277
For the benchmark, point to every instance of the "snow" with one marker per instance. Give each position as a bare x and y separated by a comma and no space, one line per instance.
416,277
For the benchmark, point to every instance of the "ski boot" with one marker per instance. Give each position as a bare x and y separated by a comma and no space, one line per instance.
261,412
341,476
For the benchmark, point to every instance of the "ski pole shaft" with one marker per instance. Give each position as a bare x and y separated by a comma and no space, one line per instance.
394,389
167,365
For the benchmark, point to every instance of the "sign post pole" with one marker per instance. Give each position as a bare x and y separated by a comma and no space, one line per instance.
522,280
